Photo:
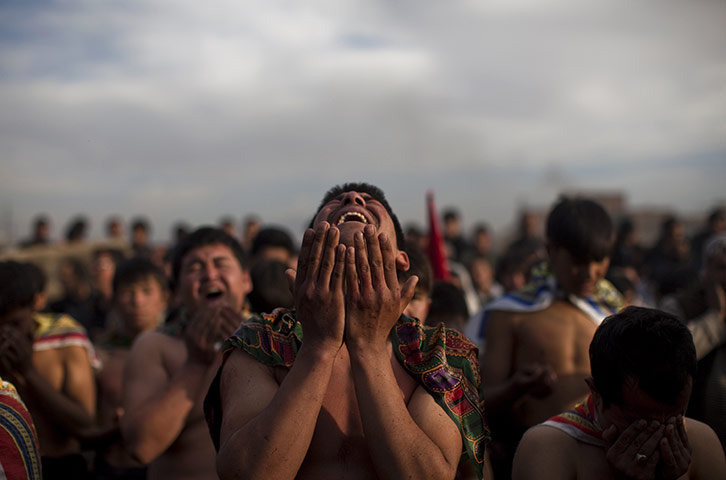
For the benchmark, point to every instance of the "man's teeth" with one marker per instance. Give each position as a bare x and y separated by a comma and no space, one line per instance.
354,216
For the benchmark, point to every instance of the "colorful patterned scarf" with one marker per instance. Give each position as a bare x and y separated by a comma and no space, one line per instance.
442,360
580,423
19,454
53,330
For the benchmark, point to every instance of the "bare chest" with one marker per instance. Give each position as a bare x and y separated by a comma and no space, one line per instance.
174,358
110,380
338,447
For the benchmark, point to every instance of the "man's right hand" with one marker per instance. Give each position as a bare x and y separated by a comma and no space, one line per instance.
207,330
634,453
317,287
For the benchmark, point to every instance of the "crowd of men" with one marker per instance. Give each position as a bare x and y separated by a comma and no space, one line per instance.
574,352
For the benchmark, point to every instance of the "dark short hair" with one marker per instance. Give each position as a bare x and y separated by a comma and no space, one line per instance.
450,214
116,255
270,289
137,269
648,347
272,237
77,228
376,193
37,276
582,227
448,300
140,223
718,213
420,266
201,237
41,220
17,286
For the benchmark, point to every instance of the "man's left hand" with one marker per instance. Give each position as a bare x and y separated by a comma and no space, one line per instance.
374,298
675,450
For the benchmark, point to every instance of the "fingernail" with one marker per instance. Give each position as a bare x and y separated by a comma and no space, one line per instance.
642,423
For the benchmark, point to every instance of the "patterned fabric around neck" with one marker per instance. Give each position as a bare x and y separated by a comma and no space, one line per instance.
580,423
444,361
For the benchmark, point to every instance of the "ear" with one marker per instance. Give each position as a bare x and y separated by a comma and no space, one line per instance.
402,262
593,389
246,282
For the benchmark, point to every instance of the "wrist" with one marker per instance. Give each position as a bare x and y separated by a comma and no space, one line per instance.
319,351
368,352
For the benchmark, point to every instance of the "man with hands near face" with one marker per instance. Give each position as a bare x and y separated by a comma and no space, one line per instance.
632,424
368,392
169,370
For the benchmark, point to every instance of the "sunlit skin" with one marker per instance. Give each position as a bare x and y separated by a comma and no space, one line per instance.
141,304
419,305
56,383
346,408
350,204
167,376
211,276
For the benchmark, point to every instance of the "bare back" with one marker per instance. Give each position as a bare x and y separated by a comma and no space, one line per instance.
558,336
67,370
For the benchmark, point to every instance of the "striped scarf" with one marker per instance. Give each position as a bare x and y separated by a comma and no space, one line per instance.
19,454
53,330
580,423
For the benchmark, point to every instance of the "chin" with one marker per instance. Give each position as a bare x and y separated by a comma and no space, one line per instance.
348,230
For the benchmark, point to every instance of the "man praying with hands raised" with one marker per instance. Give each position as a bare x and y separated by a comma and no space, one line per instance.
345,385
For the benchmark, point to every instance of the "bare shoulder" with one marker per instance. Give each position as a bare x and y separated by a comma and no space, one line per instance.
239,366
246,387
155,347
707,460
436,424
503,317
545,452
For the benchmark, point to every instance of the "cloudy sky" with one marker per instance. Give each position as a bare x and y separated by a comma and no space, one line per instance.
188,110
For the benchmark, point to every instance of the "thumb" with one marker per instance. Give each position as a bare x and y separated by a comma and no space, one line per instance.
408,290
610,434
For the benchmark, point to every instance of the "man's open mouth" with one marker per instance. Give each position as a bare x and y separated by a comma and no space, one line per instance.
212,294
352,217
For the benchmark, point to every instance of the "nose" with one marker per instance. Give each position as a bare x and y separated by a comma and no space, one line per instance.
353,198
210,272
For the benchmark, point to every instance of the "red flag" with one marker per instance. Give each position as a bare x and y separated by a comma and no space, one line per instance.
436,248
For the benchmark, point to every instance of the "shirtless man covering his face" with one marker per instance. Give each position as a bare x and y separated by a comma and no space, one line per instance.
632,424
369,392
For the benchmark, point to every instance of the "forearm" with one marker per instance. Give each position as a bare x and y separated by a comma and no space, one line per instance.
55,407
398,446
275,442
149,429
